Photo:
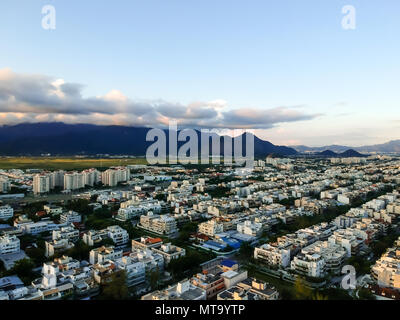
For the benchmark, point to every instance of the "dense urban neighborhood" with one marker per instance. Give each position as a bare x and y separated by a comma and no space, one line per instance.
287,229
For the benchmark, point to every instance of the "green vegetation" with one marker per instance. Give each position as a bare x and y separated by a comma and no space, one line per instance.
116,288
189,264
218,192
22,269
245,251
361,264
365,294
53,163
381,244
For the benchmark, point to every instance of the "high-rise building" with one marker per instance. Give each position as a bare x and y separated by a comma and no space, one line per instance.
113,176
4,184
41,183
73,181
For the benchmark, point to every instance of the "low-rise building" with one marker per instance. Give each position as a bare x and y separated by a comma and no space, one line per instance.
161,224
102,254
170,252
70,217
274,255
250,289
183,290
6,212
56,246
9,244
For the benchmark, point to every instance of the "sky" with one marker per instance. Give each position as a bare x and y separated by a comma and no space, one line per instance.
286,68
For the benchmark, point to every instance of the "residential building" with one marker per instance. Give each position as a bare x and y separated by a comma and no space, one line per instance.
183,290
6,212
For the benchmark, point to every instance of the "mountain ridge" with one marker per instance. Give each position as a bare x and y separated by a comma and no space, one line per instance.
58,138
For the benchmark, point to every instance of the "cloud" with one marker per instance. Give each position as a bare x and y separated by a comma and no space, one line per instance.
39,98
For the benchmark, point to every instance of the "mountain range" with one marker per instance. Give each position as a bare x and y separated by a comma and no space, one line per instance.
388,147
57,138
73,139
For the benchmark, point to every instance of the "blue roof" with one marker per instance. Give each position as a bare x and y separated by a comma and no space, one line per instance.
228,263
232,242
215,244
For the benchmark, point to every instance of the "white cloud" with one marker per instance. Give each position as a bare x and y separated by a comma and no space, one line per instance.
39,98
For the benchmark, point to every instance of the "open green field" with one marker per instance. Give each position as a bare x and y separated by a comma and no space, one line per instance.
52,163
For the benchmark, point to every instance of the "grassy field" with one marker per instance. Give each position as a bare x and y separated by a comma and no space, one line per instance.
64,163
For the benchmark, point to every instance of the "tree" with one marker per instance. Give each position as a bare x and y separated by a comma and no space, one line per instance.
116,288
302,292
246,250
24,270
36,254
80,251
365,294
154,278
319,296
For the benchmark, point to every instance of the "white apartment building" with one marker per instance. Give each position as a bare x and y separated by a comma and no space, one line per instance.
113,176
102,254
183,290
347,239
55,246
151,259
73,181
250,228
51,209
170,252
70,217
135,270
334,255
5,185
91,177
9,244
35,228
56,179
93,237
211,228
312,265
386,270
129,212
67,232
6,212
118,235
41,183
161,224
274,255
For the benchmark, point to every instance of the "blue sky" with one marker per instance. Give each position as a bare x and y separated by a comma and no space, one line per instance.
289,62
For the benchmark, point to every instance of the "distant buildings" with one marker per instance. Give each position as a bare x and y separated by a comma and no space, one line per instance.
74,181
5,185
41,183
6,212
9,244
113,176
